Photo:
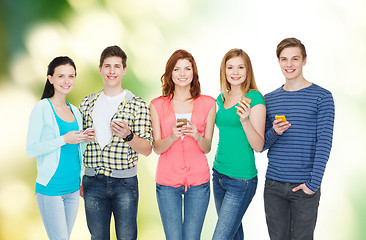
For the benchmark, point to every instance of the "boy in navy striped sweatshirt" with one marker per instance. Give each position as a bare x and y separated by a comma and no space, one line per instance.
298,147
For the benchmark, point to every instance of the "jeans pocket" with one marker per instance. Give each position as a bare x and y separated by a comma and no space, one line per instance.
303,193
130,183
87,180
269,183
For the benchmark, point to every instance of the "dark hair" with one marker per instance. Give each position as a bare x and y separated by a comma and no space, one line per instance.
166,78
49,90
113,51
290,42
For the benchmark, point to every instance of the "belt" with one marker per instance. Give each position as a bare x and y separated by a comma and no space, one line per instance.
126,173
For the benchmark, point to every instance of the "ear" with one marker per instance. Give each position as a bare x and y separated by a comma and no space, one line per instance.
49,77
124,70
304,62
100,69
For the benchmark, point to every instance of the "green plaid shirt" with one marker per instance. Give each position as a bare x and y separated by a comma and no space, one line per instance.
116,155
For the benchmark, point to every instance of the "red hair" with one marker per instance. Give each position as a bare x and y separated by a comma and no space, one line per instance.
166,78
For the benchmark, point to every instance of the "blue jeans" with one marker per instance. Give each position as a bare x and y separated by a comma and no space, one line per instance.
58,214
232,198
290,215
170,199
106,195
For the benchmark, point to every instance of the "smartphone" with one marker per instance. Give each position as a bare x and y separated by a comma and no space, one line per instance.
88,130
281,117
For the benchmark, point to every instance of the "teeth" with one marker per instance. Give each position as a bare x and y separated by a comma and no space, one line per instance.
290,71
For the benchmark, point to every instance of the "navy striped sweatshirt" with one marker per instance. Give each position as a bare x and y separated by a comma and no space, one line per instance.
301,153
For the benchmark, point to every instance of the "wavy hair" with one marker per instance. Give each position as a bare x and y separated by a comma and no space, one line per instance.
167,81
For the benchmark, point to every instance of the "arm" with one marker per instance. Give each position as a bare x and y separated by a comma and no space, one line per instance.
254,125
273,131
162,145
325,124
34,146
204,142
141,129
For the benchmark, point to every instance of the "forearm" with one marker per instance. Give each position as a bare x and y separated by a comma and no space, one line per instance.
204,144
40,148
140,145
162,145
255,139
270,137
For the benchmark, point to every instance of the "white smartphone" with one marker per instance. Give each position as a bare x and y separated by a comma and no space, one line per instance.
88,130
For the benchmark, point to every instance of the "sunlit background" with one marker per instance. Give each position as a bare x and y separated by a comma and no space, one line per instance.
33,32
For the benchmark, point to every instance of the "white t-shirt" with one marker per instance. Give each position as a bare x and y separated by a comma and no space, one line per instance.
104,109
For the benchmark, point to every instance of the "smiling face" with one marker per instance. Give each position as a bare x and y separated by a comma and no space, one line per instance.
182,74
291,63
235,71
63,79
112,72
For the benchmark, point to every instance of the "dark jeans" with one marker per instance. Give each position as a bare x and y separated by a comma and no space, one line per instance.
290,215
232,198
106,195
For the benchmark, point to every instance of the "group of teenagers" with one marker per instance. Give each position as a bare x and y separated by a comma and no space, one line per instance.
92,151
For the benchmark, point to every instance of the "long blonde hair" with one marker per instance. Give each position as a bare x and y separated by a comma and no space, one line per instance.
248,84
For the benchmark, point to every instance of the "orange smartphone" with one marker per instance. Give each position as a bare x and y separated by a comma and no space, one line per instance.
281,117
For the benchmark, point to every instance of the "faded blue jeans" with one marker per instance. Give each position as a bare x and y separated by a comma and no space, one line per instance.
187,226
232,198
58,214
106,195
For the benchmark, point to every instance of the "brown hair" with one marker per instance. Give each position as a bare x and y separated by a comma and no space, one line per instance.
113,51
166,78
248,84
290,42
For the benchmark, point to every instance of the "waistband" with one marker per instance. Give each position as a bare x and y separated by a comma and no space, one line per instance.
131,172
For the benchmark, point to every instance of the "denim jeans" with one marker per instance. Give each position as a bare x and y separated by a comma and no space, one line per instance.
289,215
106,195
187,226
232,198
58,214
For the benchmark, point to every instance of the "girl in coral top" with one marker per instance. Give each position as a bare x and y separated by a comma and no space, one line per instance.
182,171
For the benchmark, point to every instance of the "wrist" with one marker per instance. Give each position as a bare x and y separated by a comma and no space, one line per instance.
129,137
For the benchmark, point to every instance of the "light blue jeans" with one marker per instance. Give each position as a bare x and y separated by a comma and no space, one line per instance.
232,198
170,200
58,214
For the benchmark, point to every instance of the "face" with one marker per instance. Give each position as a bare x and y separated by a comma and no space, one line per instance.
182,74
63,79
291,63
112,72
236,72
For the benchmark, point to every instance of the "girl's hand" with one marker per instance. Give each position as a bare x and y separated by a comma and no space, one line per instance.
74,137
90,136
279,126
176,132
243,110
191,130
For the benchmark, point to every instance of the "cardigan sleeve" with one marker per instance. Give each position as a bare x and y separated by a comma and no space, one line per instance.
37,143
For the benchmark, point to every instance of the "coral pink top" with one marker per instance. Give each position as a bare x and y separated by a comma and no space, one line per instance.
183,163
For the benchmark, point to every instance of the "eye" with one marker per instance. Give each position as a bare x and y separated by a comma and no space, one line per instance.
229,68
241,67
188,69
176,69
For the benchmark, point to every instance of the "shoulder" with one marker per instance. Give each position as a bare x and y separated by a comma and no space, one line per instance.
273,93
256,96
90,97
160,100
41,105
206,99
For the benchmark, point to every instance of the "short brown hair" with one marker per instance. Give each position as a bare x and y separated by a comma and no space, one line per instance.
290,42
166,78
113,51
248,84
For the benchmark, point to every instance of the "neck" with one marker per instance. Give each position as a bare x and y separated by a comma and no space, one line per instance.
235,90
111,92
58,99
181,93
296,84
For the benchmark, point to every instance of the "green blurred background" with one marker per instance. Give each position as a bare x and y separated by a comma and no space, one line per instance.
33,32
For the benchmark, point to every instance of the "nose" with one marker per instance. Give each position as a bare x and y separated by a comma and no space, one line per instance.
235,70
182,73
111,70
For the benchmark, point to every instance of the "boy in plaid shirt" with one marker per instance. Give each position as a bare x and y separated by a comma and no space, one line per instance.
122,126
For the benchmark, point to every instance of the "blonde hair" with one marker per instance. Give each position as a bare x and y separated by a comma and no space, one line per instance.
249,82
